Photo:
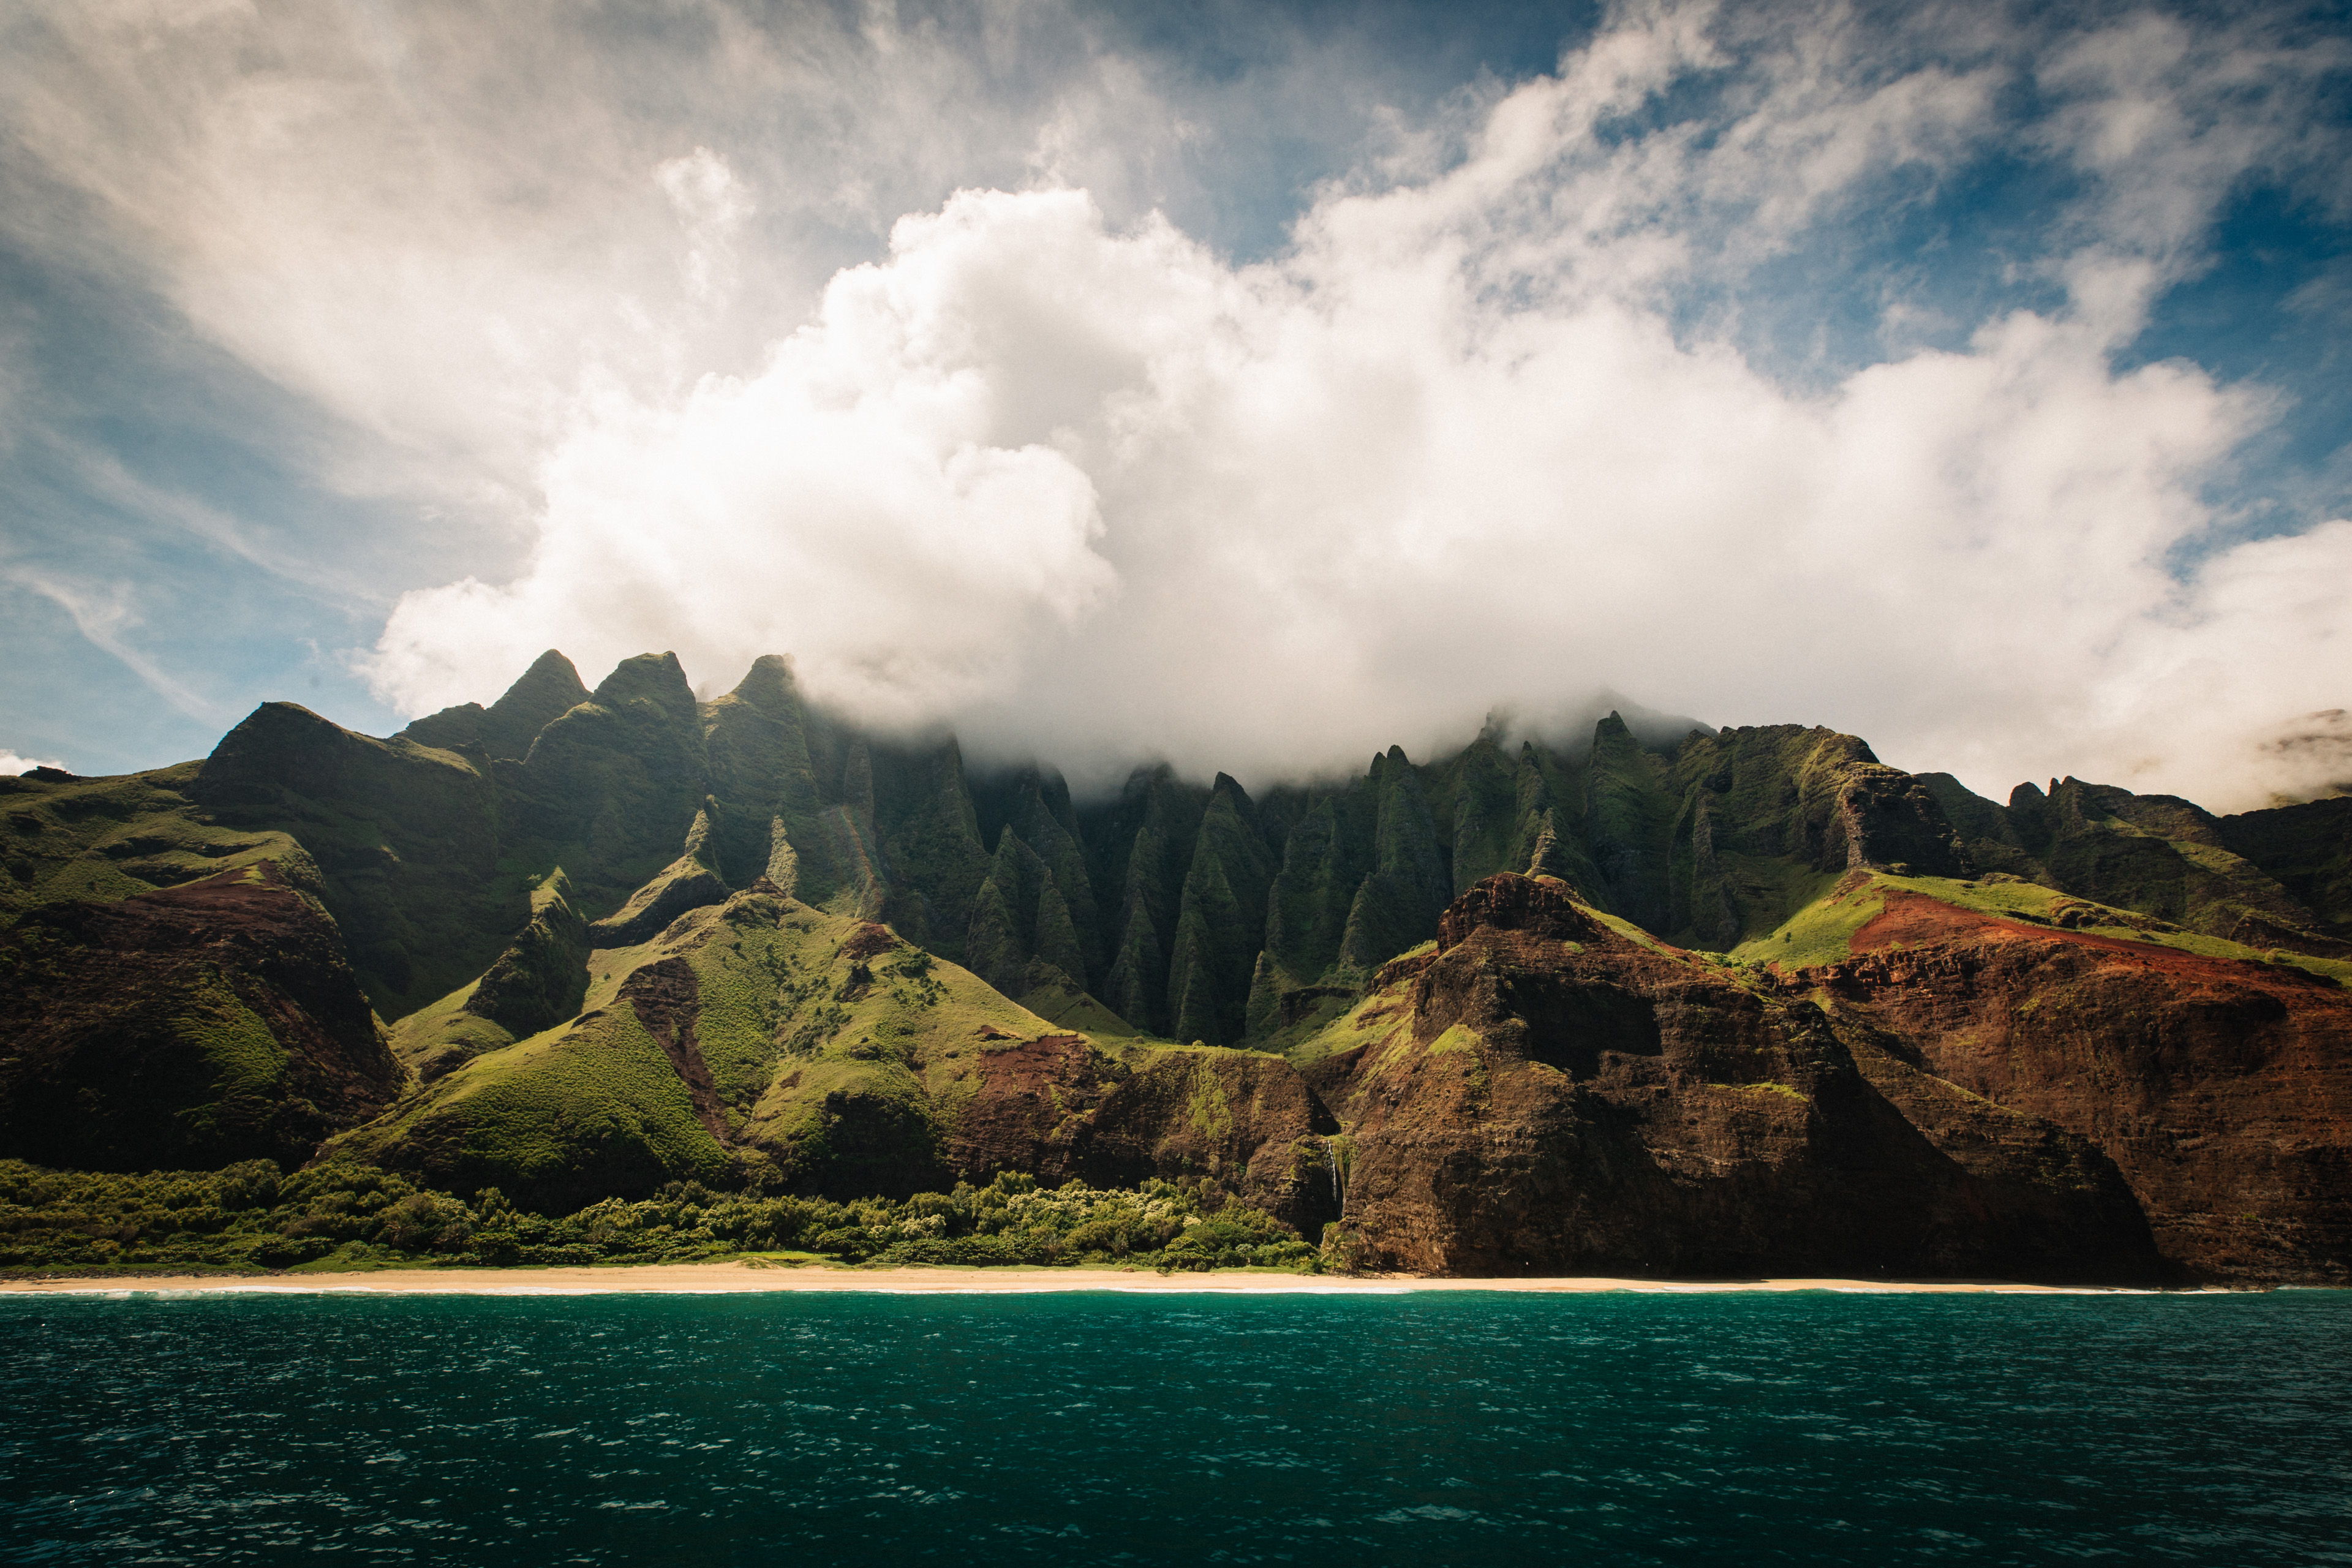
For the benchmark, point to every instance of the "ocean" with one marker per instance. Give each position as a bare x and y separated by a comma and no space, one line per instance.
1426,1428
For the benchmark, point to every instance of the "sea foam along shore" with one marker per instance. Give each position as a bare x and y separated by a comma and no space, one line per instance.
717,1278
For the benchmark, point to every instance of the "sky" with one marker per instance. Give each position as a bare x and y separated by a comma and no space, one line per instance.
1252,387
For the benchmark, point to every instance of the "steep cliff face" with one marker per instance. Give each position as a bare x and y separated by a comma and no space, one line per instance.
192,1027
2221,1087
1548,1092
1247,1119
2307,850
1763,813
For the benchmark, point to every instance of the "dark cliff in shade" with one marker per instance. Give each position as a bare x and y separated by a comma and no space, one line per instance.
1648,1015
197,1026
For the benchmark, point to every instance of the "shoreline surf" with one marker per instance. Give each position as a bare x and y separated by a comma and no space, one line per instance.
743,1277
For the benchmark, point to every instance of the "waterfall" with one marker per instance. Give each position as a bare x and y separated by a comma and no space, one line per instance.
1338,1176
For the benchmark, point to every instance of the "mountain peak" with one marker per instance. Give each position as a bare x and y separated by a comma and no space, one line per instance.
767,685
657,678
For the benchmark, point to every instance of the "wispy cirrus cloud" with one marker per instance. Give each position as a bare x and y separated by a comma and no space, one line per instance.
105,613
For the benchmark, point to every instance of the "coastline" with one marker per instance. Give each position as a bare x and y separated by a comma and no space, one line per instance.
742,1276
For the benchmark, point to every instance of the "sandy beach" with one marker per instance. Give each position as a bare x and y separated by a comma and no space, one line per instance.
741,1275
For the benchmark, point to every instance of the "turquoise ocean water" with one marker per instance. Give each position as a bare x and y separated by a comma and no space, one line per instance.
1429,1428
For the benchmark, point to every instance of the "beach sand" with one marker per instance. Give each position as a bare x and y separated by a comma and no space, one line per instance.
741,1275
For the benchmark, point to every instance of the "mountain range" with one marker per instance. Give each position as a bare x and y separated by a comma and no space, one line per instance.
1735,1001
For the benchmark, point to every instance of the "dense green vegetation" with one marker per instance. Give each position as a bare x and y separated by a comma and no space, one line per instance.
339,1216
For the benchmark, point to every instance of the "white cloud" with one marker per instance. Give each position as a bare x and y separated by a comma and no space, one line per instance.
1053,470
1095,491
872,499
11,764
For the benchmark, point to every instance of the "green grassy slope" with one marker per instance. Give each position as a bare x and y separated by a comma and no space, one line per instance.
1823,931
107,838
823,1040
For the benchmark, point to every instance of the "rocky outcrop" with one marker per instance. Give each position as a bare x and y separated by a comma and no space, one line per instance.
539,981
1023,1104
2221,1089
1966,1094
1544,1094
1245,1119
188,1027
684,884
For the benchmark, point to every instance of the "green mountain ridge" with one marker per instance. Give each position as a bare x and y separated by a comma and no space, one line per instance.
601,942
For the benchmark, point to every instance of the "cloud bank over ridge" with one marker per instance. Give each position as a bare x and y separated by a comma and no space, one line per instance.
1509,418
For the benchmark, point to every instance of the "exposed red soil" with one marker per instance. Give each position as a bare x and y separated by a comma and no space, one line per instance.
1247,1119
1027,1107
668,999
2221,1088
866,940
1914,919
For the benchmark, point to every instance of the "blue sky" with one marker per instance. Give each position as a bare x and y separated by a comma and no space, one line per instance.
1251,386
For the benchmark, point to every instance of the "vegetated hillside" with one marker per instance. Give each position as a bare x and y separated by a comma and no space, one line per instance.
209,1023
625,939
763,1040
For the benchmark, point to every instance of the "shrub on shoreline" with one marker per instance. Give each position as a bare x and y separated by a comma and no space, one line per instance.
249,1215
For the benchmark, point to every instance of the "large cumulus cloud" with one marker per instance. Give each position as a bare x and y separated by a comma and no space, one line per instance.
905,343
1090,489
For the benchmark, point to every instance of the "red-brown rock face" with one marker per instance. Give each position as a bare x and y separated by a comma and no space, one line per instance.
190,1026
1025,1103
1551,1097
2221,1090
